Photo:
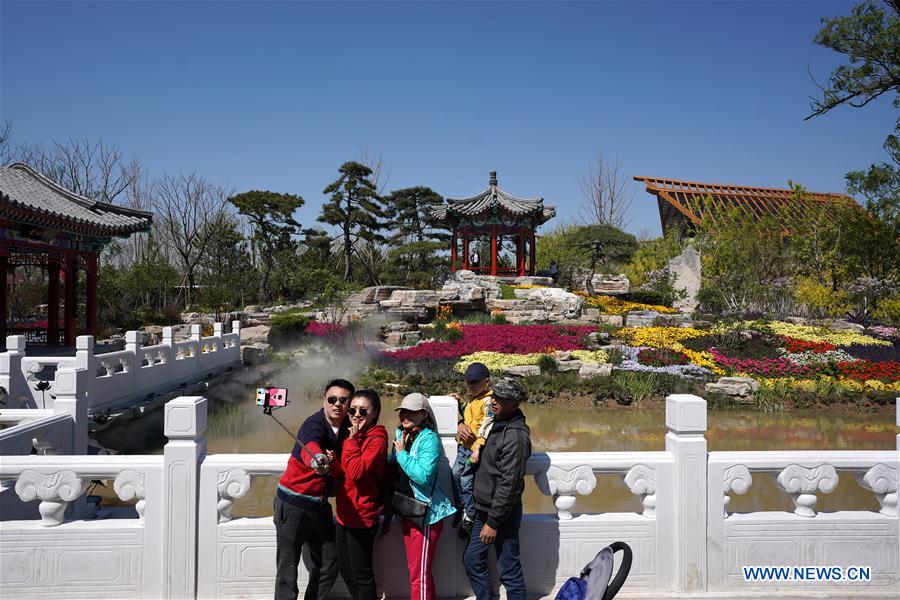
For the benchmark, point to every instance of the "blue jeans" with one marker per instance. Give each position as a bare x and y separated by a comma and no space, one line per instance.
464,482
506,546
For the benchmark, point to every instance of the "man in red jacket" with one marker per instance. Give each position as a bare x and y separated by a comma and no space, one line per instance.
302,512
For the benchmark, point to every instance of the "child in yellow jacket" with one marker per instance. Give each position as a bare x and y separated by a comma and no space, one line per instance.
474,427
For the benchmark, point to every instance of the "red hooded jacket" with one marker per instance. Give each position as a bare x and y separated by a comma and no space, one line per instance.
363,460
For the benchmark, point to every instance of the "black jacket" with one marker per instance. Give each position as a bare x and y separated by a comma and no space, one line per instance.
500,479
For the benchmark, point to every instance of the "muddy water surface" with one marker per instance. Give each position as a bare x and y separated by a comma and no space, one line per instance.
242,428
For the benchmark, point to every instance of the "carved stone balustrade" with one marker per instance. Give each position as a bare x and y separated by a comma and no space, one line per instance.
231,485
129,485
641,480
882,480
54,490
737,480
802,483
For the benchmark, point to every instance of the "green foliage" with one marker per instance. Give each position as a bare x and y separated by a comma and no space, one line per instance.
745,261
888,311
271,214
870,37
418,237
123,290
507,292
568,246
614,356
650,256
226,272
499,319
286,327
821,301
547,364
355,209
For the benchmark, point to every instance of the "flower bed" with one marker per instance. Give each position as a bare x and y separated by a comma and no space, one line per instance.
630,363
610,305
508,339
809,333
794,345
662,357
319,329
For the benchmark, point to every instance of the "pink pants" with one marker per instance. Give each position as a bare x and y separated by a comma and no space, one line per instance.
420,548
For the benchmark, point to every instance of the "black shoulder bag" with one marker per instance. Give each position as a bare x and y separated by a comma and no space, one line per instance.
404,501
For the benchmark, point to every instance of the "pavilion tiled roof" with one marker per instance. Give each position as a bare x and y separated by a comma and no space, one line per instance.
27,196
682,204
492,199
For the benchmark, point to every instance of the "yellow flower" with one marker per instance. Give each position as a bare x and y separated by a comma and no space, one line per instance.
809,333
610,305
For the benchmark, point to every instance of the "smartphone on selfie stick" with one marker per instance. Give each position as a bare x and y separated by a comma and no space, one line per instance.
274,398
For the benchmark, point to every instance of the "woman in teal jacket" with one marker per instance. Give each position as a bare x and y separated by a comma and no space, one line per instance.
418,449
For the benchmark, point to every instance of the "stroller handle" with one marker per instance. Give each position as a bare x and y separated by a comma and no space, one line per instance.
616,584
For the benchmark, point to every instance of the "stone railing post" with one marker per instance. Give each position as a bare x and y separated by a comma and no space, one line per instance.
236,327
196,332
11,377
133,342
686,422
447,567
217,329
72,399
168,337
185,424
84,354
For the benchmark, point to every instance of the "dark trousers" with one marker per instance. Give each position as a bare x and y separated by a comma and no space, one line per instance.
506,546
464,482
311,525
354,548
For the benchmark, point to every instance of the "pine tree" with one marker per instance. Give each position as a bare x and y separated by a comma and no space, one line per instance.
417,235
355,208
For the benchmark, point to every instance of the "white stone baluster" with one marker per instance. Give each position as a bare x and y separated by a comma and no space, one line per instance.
641,480
737,480
130,485
12,380
563,484
55,491
196,331
185,424
686,421
133,341
882,480
801,483
232,484
217,329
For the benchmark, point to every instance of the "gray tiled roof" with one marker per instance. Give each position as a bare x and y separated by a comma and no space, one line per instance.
23,187
492,198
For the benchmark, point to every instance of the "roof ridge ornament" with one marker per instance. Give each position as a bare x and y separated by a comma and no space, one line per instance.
493,180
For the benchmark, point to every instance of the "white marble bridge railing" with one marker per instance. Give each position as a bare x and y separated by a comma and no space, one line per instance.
188,543
119,378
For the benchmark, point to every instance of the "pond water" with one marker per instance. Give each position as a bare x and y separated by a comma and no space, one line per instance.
242,428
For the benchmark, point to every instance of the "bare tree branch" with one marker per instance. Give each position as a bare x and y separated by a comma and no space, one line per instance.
607,198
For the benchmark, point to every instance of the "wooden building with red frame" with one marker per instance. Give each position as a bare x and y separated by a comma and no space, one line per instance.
494,217
45,225
683,204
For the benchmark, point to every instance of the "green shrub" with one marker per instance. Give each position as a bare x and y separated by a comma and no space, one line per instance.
547,364
888,311
652,256
499,319
286,327
638,385
614,356
507,292
820,300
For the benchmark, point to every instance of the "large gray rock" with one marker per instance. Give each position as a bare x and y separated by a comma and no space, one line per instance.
641,318
842,325
522,370
411,304
466,290
254,335
397,326
733,386
568,365
559,303
254,354
374,294
592,369
601,283
534,280
402,338
687,270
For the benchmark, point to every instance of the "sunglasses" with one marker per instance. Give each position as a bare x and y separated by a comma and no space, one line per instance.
339,399
362,411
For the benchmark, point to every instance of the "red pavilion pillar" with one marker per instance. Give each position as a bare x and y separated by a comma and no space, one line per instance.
71,311
531,254
493,249
4,266
53,301
92,293
453,251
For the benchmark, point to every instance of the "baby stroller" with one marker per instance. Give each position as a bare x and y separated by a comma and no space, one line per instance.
594,582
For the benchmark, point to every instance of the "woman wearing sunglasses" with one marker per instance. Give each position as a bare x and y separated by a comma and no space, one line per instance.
359,504
418,455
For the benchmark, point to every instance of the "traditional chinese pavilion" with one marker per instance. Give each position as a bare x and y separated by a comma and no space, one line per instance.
47,226
494,219
682,204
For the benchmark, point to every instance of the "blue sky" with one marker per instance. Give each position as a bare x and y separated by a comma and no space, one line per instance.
276,95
